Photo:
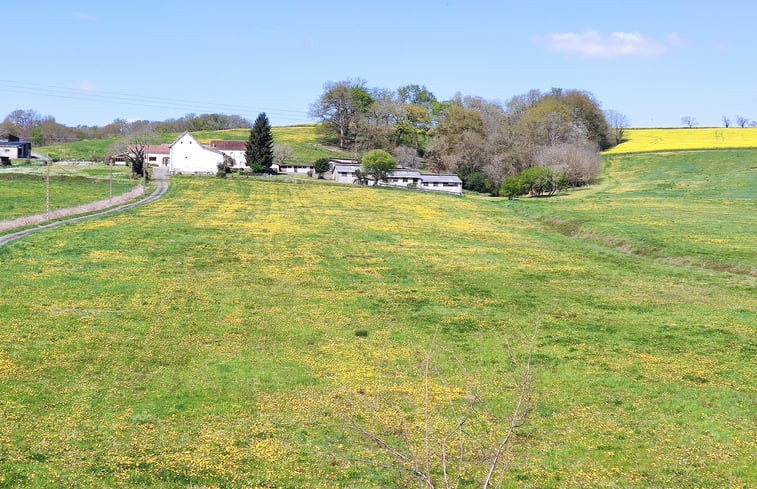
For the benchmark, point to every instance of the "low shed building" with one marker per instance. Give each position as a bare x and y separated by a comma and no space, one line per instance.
15,150
344,172
442,183
402,177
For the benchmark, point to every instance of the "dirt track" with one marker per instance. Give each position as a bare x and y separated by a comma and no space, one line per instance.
160,177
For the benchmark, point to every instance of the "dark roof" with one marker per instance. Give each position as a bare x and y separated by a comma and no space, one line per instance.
8,137
228,145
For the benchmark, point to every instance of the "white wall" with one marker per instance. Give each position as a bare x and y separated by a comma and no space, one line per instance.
440,187
238,156
295,169
158,161
189,156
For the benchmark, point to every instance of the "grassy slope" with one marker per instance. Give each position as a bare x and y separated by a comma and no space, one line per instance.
645,140
228,355
86,150
303,140
23,189
690,207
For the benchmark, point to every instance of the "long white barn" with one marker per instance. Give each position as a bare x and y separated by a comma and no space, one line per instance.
344,172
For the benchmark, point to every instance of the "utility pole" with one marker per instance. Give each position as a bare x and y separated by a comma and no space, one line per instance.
111,181
47,190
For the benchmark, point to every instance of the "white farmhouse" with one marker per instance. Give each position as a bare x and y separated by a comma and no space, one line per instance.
190,157
233,148
155,155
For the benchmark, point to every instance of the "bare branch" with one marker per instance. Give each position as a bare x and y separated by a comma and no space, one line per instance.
426,405
381,443
398,468
519,412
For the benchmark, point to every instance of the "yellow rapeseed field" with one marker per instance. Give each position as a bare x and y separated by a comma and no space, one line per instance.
644,140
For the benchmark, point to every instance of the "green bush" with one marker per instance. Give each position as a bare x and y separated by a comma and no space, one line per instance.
535,181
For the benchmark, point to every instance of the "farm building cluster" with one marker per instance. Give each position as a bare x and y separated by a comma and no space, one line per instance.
187,156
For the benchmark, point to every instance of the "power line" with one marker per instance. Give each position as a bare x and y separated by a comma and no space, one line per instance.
145,101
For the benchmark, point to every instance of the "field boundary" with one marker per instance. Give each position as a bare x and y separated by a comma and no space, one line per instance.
82,213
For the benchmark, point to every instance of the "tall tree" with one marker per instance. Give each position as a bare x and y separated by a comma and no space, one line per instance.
341,107
741,121
259,153
586,114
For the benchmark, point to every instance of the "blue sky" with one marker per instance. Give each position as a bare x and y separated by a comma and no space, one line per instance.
89,62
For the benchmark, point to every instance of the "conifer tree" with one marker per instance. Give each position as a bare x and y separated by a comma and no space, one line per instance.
259,153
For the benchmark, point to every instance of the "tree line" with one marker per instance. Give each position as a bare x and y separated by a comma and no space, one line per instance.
41,130
482,141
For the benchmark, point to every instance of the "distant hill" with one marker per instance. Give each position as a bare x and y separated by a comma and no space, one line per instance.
302,138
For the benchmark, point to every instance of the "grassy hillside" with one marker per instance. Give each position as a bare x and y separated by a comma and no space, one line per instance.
645,140
23,189
303,139
86,150
224,336
687,207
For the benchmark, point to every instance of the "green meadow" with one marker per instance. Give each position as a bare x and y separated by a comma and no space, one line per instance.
23,189
688,207
229,334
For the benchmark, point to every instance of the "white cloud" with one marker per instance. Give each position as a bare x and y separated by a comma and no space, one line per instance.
675,40
593,44
87,86
85,16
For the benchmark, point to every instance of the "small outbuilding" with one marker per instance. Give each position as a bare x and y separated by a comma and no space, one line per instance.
343,171
12,149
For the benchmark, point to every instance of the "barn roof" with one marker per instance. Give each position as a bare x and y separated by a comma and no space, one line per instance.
228,145
428,177
162,149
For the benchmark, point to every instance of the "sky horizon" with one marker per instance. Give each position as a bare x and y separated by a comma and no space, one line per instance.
88,63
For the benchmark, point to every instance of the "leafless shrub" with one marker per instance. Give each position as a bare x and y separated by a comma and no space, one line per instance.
580,162
411,433
407,157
